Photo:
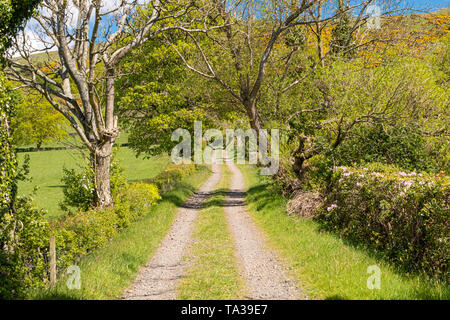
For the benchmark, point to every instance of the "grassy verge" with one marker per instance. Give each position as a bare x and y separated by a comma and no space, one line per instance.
212,274
46,173
107,272
327,266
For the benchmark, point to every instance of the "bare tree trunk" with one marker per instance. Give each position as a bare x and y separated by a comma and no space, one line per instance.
299,159
102,170
253,116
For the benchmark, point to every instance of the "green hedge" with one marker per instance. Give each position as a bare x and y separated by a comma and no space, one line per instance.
76,234
403,215
172,175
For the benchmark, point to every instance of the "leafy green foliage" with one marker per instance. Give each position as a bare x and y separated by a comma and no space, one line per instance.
25,234
403,146
403,215
126,202
154,104
36,122
172,175
77,234
79,189
13,13
397,117
8,162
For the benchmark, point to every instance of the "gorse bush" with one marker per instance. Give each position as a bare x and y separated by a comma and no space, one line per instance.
405,216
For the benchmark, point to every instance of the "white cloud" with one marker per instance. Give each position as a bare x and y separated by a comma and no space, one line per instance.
36,38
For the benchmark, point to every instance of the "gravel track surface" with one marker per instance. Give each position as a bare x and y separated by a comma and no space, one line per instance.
157,280
266,277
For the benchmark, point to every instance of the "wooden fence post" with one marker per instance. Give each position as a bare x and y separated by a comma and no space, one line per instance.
52,261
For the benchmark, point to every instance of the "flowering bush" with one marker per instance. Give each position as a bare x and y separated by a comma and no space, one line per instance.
404,215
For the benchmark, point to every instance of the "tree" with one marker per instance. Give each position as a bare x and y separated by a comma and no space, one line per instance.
36,122
154,104
342,33
91,37
239,57
14,13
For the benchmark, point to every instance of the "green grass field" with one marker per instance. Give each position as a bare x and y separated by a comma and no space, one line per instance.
327,266
46,173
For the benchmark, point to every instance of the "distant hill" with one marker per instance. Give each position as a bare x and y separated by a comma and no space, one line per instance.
412,22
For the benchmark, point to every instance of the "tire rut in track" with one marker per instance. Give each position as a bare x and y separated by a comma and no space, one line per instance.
266,277
158,279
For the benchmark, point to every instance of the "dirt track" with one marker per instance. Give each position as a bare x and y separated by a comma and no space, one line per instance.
265,275
157,280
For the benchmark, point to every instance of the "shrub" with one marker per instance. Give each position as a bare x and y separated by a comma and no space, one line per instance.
79,189
399,145
25,236
172,175
403,215
137,198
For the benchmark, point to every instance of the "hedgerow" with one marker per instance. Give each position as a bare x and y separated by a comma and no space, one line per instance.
79,189
172,175
403,215
76,234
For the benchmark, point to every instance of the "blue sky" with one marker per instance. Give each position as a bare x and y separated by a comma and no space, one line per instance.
439,4
426,4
